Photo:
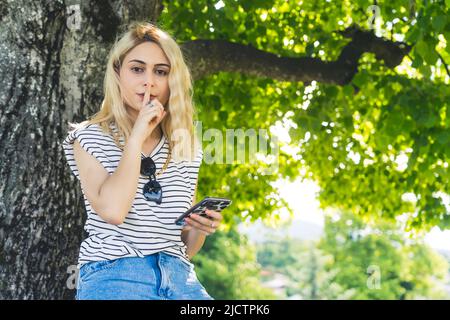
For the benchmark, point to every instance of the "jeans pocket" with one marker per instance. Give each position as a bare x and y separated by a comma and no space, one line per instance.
91,268
187,266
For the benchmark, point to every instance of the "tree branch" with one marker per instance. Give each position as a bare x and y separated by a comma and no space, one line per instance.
207,57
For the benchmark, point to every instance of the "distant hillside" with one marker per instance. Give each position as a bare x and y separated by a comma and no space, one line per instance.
303,230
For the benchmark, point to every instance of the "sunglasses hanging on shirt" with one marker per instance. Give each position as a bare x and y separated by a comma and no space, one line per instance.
152,190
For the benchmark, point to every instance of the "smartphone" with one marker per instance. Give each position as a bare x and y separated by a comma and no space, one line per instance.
211,203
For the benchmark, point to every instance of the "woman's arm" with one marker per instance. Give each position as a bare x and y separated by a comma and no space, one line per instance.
194,241
110,196
197,228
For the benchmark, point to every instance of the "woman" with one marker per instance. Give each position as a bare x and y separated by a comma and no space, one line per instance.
137,160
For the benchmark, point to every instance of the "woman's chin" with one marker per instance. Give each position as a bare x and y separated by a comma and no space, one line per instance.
133,107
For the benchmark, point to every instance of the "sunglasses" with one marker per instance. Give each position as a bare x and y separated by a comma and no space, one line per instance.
152,190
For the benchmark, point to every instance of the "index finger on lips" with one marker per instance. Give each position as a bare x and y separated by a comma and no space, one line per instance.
146,97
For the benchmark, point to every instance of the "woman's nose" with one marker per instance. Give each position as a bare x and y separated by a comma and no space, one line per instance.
149,81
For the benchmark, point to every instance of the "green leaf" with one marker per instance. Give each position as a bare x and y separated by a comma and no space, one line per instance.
249,24
348,122
425,71
348,90
309,49
381,140
332,91
295,134
422,49
447,39
315,124
430,120
418,61
439,23
223,116
395,124
427,52
360,79
414,35
447,116
443,138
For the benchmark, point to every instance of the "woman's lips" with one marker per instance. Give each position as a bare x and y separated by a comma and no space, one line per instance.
141,96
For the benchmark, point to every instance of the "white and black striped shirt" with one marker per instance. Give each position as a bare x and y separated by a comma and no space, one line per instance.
149,227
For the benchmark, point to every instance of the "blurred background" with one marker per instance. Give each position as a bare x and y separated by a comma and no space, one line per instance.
359,208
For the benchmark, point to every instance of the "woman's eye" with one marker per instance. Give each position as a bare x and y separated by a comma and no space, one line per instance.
162,72
136,68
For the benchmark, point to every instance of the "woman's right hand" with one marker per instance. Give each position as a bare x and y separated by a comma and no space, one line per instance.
148,118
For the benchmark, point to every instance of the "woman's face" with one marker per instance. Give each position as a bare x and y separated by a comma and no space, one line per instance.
144,66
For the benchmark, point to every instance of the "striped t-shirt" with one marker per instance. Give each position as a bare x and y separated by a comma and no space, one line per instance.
149,227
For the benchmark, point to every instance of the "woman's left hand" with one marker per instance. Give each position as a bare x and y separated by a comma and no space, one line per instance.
204,225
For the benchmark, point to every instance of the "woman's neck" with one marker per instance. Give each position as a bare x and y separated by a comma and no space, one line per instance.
156,135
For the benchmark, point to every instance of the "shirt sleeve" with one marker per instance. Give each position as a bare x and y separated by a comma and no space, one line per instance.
93,141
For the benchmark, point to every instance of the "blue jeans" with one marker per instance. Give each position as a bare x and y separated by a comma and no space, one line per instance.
158,276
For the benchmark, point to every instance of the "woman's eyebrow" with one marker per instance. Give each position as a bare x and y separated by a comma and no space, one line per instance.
142,62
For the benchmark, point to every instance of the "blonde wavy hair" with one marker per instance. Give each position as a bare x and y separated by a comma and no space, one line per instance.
177,125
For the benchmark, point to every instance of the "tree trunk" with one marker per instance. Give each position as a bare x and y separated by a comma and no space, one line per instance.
52,62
